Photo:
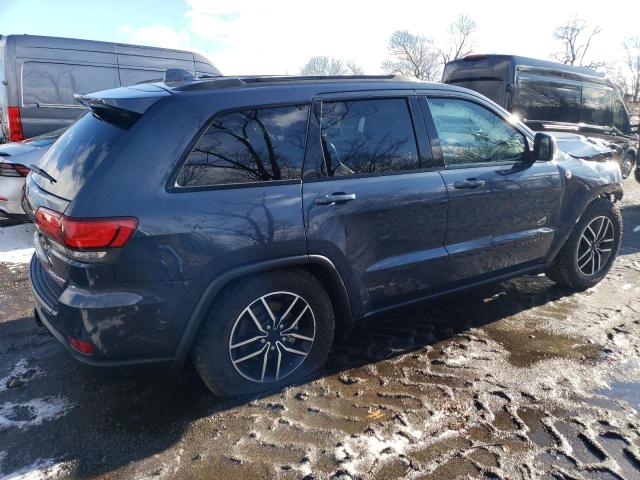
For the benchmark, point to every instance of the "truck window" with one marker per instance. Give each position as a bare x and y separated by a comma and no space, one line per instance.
55,83
492,89
620,117
547,100
596,106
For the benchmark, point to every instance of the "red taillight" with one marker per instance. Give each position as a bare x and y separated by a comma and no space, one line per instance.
15,124
81,345
86,233
13,170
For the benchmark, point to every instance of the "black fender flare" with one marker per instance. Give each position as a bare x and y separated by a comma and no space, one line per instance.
336,289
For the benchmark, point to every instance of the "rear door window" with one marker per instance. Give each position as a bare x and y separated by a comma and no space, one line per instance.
247,147
548,100
53,84
368,137
596,106
77,154
620,117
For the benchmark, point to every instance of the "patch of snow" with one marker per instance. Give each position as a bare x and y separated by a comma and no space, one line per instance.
16,243
636,229
627,286
21,371
39,470
31,413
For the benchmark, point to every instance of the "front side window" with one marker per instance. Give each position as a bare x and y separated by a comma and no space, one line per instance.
620,117
596,106
547,100
471,134
368,137
257,145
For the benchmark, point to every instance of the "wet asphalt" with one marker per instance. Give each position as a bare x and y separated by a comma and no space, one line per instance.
516,380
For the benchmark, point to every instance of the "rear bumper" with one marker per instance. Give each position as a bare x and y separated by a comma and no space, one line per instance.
126,328
11,196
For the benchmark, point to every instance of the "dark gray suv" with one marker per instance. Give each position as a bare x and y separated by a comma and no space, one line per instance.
245,222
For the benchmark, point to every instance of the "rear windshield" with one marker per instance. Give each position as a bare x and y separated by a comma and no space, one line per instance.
77,154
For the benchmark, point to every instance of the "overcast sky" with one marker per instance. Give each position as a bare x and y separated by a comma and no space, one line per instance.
277,37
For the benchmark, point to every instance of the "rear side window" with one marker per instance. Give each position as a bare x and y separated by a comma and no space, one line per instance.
77,154
596,106
620,117
55,83
258,145
548,100
368,137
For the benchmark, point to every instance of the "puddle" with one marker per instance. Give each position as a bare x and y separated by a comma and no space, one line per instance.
627,392
528,347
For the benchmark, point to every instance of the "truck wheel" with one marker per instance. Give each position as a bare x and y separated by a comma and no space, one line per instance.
626,165
264,332
591,249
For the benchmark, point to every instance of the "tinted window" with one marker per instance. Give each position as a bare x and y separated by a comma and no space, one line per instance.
76,154
258,145
548,100
55,83
596,106
368,136
471,134
492,89
620,117
129,76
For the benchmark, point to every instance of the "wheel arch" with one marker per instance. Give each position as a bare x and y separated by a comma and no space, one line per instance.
321,267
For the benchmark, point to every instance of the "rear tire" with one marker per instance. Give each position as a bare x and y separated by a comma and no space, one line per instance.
626,165
590,250
264,332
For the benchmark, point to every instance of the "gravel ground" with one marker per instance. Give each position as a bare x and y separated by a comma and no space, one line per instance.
517,380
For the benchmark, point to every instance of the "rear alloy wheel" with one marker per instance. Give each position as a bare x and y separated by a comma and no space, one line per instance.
272,337
264,332
591,249
626,165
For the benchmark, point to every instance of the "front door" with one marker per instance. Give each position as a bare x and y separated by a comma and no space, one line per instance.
376,207
503,207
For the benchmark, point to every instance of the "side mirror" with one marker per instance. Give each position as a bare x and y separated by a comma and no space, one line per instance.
545,147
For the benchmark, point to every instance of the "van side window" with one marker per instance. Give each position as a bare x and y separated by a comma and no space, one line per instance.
620,117
471,134
257,145
596,106
55,83
368,137
547,100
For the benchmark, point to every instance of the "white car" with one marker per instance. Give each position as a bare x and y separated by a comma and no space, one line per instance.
15,163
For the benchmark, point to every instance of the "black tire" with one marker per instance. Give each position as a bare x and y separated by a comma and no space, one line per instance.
566,271
626,165
213,347
637,173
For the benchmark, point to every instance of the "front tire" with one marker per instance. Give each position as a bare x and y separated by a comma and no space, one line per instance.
590,250
264,332
626,165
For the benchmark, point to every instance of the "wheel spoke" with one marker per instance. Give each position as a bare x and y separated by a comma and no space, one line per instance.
293,350
587,261
255,320
603,250
600,228
593,235
279,361
264,362
251,355
301,337
293,325
596,254
246,342
586,252
268,309
287,311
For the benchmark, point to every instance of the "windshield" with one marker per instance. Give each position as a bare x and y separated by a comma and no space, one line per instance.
77,154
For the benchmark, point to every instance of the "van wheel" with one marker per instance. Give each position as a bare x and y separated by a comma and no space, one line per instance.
264,332
626,165
591,249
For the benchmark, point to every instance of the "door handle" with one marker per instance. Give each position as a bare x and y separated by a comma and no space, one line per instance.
338,197
469,183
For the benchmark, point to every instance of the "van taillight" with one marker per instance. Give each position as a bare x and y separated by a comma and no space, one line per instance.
81,234
15,124
13,170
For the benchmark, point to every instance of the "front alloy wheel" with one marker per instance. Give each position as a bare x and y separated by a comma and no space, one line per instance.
272,337
595,246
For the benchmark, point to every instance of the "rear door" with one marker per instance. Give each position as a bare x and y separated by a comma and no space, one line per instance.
503,208
373,202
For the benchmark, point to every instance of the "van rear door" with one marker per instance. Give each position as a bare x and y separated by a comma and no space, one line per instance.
486,75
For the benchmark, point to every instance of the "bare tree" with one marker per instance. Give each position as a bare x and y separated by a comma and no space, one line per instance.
322,65
460,39
576,37
632,62
413,55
